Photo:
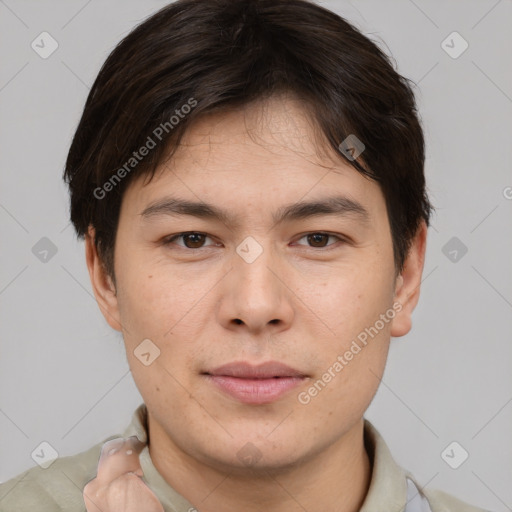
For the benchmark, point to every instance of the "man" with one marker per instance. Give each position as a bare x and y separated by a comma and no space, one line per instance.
248,178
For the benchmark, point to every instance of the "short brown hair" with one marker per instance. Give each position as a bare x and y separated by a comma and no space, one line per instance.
225,53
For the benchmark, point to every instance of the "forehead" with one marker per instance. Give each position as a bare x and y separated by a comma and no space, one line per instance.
267,152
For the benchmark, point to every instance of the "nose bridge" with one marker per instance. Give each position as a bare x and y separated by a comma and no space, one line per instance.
252,263
255,290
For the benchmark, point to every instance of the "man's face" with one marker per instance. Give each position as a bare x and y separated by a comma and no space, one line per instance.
252,290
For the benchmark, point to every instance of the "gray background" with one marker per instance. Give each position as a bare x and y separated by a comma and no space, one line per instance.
64,377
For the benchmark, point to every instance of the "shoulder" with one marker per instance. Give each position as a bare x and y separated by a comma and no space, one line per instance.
58,487
441,501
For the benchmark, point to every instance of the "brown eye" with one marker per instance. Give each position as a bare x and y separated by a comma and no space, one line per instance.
191,240
318,239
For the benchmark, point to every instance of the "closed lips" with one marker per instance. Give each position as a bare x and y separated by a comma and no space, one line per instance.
244,370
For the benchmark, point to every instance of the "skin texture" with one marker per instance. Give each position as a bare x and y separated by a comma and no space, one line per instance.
298,303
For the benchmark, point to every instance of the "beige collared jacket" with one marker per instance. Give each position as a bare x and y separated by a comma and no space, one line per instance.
59,487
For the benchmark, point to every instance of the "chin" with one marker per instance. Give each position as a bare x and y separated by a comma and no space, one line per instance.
255,460
278,455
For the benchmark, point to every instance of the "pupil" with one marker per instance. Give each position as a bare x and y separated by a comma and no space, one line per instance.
315,237
194,235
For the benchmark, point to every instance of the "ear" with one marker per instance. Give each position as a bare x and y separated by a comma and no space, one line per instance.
407,288
102,285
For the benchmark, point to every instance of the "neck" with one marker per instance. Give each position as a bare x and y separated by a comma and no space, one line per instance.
336,479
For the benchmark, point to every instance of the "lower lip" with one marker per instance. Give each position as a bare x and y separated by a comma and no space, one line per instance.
255,391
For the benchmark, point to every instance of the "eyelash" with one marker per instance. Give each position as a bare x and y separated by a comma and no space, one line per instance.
170,240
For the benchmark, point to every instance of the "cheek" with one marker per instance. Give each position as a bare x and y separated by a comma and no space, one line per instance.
155,297
350,300
354,350
168,307
351,361
154,307
141,303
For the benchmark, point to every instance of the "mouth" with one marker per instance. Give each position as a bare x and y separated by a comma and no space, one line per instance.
260,384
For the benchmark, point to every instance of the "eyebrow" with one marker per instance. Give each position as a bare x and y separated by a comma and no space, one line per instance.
336,206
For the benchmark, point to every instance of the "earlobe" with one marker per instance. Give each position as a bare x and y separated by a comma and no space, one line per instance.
407,287
102,285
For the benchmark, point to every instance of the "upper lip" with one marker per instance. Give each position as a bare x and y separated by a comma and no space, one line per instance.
246,370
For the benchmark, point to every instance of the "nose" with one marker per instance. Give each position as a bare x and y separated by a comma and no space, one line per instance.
256,295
